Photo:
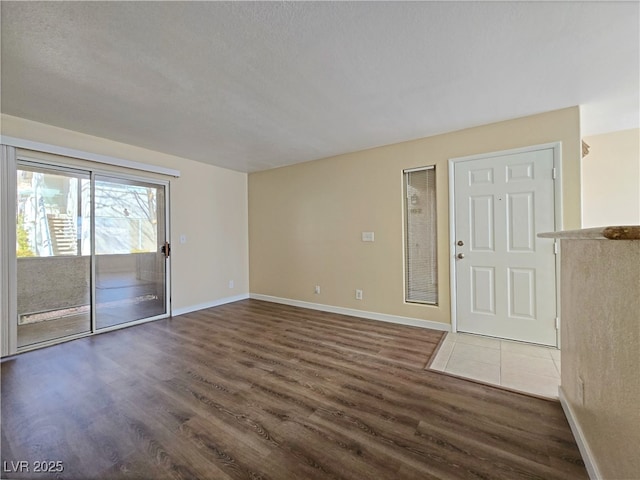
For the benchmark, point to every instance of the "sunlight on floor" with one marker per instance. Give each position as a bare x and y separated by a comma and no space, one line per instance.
518,366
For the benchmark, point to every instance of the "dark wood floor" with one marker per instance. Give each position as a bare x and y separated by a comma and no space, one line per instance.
263,391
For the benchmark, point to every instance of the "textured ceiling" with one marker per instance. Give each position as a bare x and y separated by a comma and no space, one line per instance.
251,86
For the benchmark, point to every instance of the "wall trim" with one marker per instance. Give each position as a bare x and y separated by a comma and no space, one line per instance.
94,157
214,303
382,317
581,440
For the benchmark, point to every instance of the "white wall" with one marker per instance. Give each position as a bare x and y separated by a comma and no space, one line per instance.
611,179
208,206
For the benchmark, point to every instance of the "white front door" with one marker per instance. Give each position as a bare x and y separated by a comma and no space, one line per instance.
505,276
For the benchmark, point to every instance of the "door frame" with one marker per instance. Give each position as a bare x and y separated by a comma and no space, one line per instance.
8,329
558,222
9,159
167,288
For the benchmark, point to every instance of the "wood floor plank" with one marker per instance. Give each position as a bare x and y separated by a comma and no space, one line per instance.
256,390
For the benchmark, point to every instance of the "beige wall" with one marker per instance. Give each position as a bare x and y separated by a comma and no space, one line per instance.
611,179
208,205
601,344
305,220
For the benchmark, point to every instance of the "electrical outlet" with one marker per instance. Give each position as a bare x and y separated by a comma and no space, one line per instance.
358,294
317,290
580,390
231,284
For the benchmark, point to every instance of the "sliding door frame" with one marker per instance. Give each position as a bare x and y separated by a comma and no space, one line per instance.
167,293
8,260
9,159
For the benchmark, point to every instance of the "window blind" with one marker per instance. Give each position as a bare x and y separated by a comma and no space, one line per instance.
421,269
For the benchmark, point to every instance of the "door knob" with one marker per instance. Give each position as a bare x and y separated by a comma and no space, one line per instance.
461,255
460,243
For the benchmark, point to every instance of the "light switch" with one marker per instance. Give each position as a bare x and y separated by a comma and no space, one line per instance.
367,236
183,239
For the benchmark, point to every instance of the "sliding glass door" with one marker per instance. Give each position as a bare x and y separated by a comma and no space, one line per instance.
129,247
53,253
91,252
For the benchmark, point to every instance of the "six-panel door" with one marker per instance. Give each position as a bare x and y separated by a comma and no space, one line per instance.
505,280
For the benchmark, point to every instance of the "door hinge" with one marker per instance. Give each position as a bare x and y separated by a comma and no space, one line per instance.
553,173
555,247
557,323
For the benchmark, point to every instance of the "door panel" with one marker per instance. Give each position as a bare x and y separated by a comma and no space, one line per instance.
522,171
53,276
482,224
480,176
522,288
130,274
521,222
483,288
505,280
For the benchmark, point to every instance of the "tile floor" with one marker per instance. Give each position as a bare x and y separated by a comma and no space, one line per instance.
519,366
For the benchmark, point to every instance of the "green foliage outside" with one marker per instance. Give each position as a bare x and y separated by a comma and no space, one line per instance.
22,237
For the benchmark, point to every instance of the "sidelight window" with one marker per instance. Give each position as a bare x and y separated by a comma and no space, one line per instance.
421,268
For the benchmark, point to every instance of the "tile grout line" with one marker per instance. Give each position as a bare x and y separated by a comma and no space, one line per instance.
446,364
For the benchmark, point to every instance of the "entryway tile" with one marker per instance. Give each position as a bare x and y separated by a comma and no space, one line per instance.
526,349
479,341
468,368
516,363
519,366
531,383
476,353
442,357
555,354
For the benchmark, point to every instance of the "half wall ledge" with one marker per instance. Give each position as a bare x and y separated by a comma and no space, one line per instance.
600,341
625,232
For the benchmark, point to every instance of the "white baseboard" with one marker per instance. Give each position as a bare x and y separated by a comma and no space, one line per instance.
383,317
213,303
583,446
